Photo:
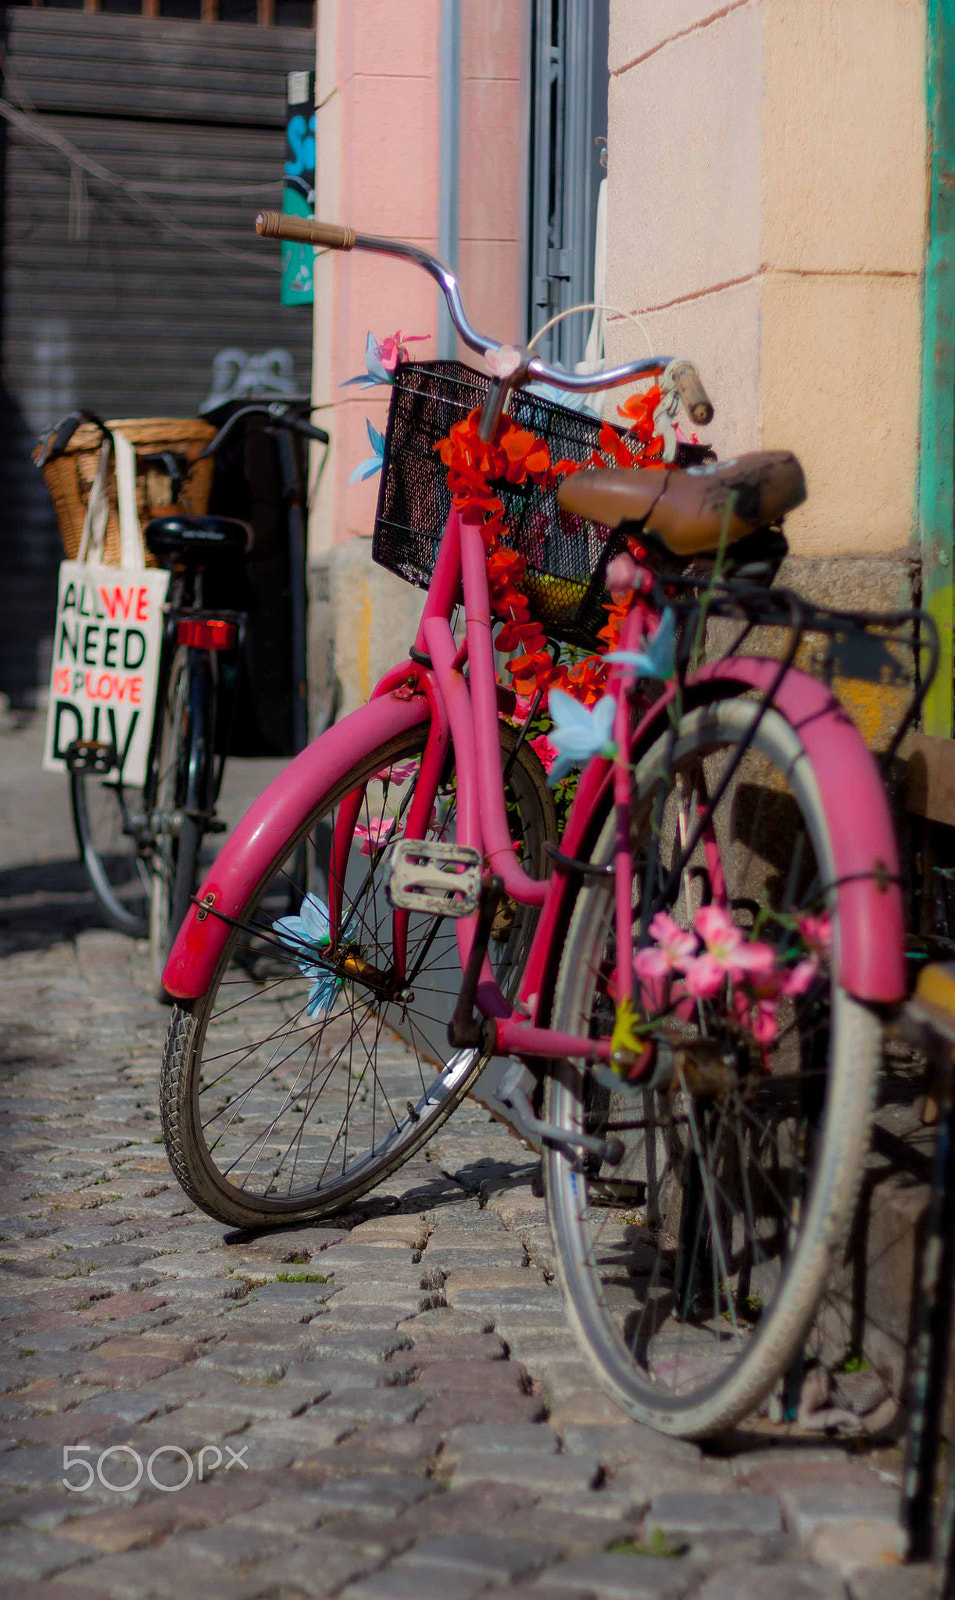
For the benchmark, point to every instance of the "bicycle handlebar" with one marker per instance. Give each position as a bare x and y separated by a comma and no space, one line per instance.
277,412
63,433
686,381
526,368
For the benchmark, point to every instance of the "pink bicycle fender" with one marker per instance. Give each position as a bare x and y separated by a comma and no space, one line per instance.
279,811
869,894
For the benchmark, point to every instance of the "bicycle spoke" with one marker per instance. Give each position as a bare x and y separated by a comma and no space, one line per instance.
295,1113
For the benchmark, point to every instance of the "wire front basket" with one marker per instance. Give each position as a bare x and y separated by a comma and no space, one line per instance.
566,555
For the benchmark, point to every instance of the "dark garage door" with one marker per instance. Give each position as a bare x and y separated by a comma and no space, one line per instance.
109,304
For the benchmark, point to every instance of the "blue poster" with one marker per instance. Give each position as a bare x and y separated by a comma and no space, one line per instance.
298,197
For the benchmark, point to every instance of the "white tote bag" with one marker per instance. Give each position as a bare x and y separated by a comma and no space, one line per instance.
108,639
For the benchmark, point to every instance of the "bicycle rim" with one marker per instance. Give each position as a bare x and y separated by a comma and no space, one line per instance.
693,1269
106,818
272,1111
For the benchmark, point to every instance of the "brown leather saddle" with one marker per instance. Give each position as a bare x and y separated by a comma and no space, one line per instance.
688,508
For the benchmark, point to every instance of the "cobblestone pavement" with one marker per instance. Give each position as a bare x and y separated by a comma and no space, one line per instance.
387,1407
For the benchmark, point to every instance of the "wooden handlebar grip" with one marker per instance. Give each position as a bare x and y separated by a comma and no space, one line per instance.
686,381
304,230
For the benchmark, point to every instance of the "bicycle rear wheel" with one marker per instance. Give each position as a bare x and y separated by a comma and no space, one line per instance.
297,1081
108,821
693,1269
183,799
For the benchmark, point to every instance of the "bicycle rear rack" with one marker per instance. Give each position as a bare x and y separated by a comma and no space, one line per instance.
860,644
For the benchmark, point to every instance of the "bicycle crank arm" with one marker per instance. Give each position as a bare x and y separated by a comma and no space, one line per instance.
511,1093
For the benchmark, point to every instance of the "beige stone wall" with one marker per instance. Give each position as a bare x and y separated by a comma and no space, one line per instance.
767,218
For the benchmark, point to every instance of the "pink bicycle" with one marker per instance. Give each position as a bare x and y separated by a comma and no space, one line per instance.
688,981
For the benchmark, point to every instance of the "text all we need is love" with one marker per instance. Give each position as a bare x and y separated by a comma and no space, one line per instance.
105,665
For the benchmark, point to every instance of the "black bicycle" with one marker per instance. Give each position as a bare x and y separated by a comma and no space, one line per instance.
141,846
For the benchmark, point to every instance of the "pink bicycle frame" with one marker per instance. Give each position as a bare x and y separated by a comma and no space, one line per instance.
466,711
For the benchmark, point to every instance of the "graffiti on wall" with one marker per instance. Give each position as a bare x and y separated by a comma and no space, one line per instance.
298,197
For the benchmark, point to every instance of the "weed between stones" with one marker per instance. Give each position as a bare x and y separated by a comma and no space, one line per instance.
667,1545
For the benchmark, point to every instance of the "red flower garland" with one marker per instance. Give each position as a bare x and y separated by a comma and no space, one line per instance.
517,456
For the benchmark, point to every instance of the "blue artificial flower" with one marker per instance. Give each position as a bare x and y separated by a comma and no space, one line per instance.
659,659
578,732
323,994
311,930
309,935
376,372
368,468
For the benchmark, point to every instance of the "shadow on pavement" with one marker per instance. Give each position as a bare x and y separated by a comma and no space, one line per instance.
44,902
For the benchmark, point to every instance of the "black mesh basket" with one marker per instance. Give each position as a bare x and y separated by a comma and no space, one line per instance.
566,555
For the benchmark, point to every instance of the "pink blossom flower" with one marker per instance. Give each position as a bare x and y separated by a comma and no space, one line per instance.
376,835
522,707
817,932
704,976
545,750
623,574
762,1022
726,943
503,361
397,773
392,350
718,931
752,958
671,951
800,977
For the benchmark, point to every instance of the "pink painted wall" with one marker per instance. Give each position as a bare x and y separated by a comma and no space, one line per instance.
386,178
390,108
491,156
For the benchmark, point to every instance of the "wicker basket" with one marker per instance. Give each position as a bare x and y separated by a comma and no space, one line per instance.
71,475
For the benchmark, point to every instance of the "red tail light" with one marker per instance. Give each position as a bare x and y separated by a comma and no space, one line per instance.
207,633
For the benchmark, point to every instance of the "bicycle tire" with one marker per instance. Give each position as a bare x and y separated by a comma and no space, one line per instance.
231,1143
183,795
694,1302
106,815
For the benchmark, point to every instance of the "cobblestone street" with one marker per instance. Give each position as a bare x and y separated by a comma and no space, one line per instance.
388,1406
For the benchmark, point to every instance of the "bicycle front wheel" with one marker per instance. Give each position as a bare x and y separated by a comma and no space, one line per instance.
693,1269
301,1079
109,821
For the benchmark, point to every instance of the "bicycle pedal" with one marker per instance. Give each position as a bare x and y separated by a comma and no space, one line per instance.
91,755
429,875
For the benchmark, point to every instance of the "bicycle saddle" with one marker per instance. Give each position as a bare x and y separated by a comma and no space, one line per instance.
197,538
686,508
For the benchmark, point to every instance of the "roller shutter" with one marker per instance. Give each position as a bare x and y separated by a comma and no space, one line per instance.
109,305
